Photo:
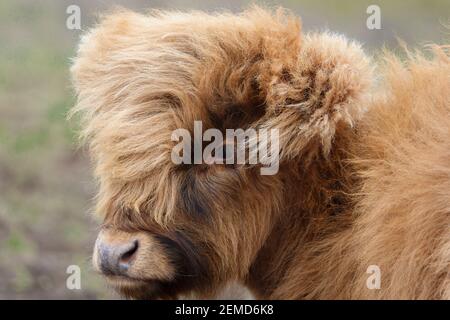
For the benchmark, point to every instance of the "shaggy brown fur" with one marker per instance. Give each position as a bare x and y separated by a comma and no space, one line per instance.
364,174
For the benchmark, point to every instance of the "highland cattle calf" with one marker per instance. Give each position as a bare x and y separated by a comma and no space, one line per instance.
364,165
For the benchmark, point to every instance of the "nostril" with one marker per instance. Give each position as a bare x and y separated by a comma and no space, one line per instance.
128,255
116,258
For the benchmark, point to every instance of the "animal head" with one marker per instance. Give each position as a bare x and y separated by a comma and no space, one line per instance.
173,228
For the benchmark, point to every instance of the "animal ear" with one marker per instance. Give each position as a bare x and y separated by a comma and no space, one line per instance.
324,91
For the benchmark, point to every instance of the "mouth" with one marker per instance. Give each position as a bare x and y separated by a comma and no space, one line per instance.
142,289
125,281
131,288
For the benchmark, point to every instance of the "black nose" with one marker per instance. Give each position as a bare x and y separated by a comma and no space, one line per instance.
115,259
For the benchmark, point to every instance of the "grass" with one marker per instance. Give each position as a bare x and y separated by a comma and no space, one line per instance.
45,181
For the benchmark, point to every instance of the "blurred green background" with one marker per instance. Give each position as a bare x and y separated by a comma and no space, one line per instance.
46,188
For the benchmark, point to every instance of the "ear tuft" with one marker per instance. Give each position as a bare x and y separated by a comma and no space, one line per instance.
329,86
